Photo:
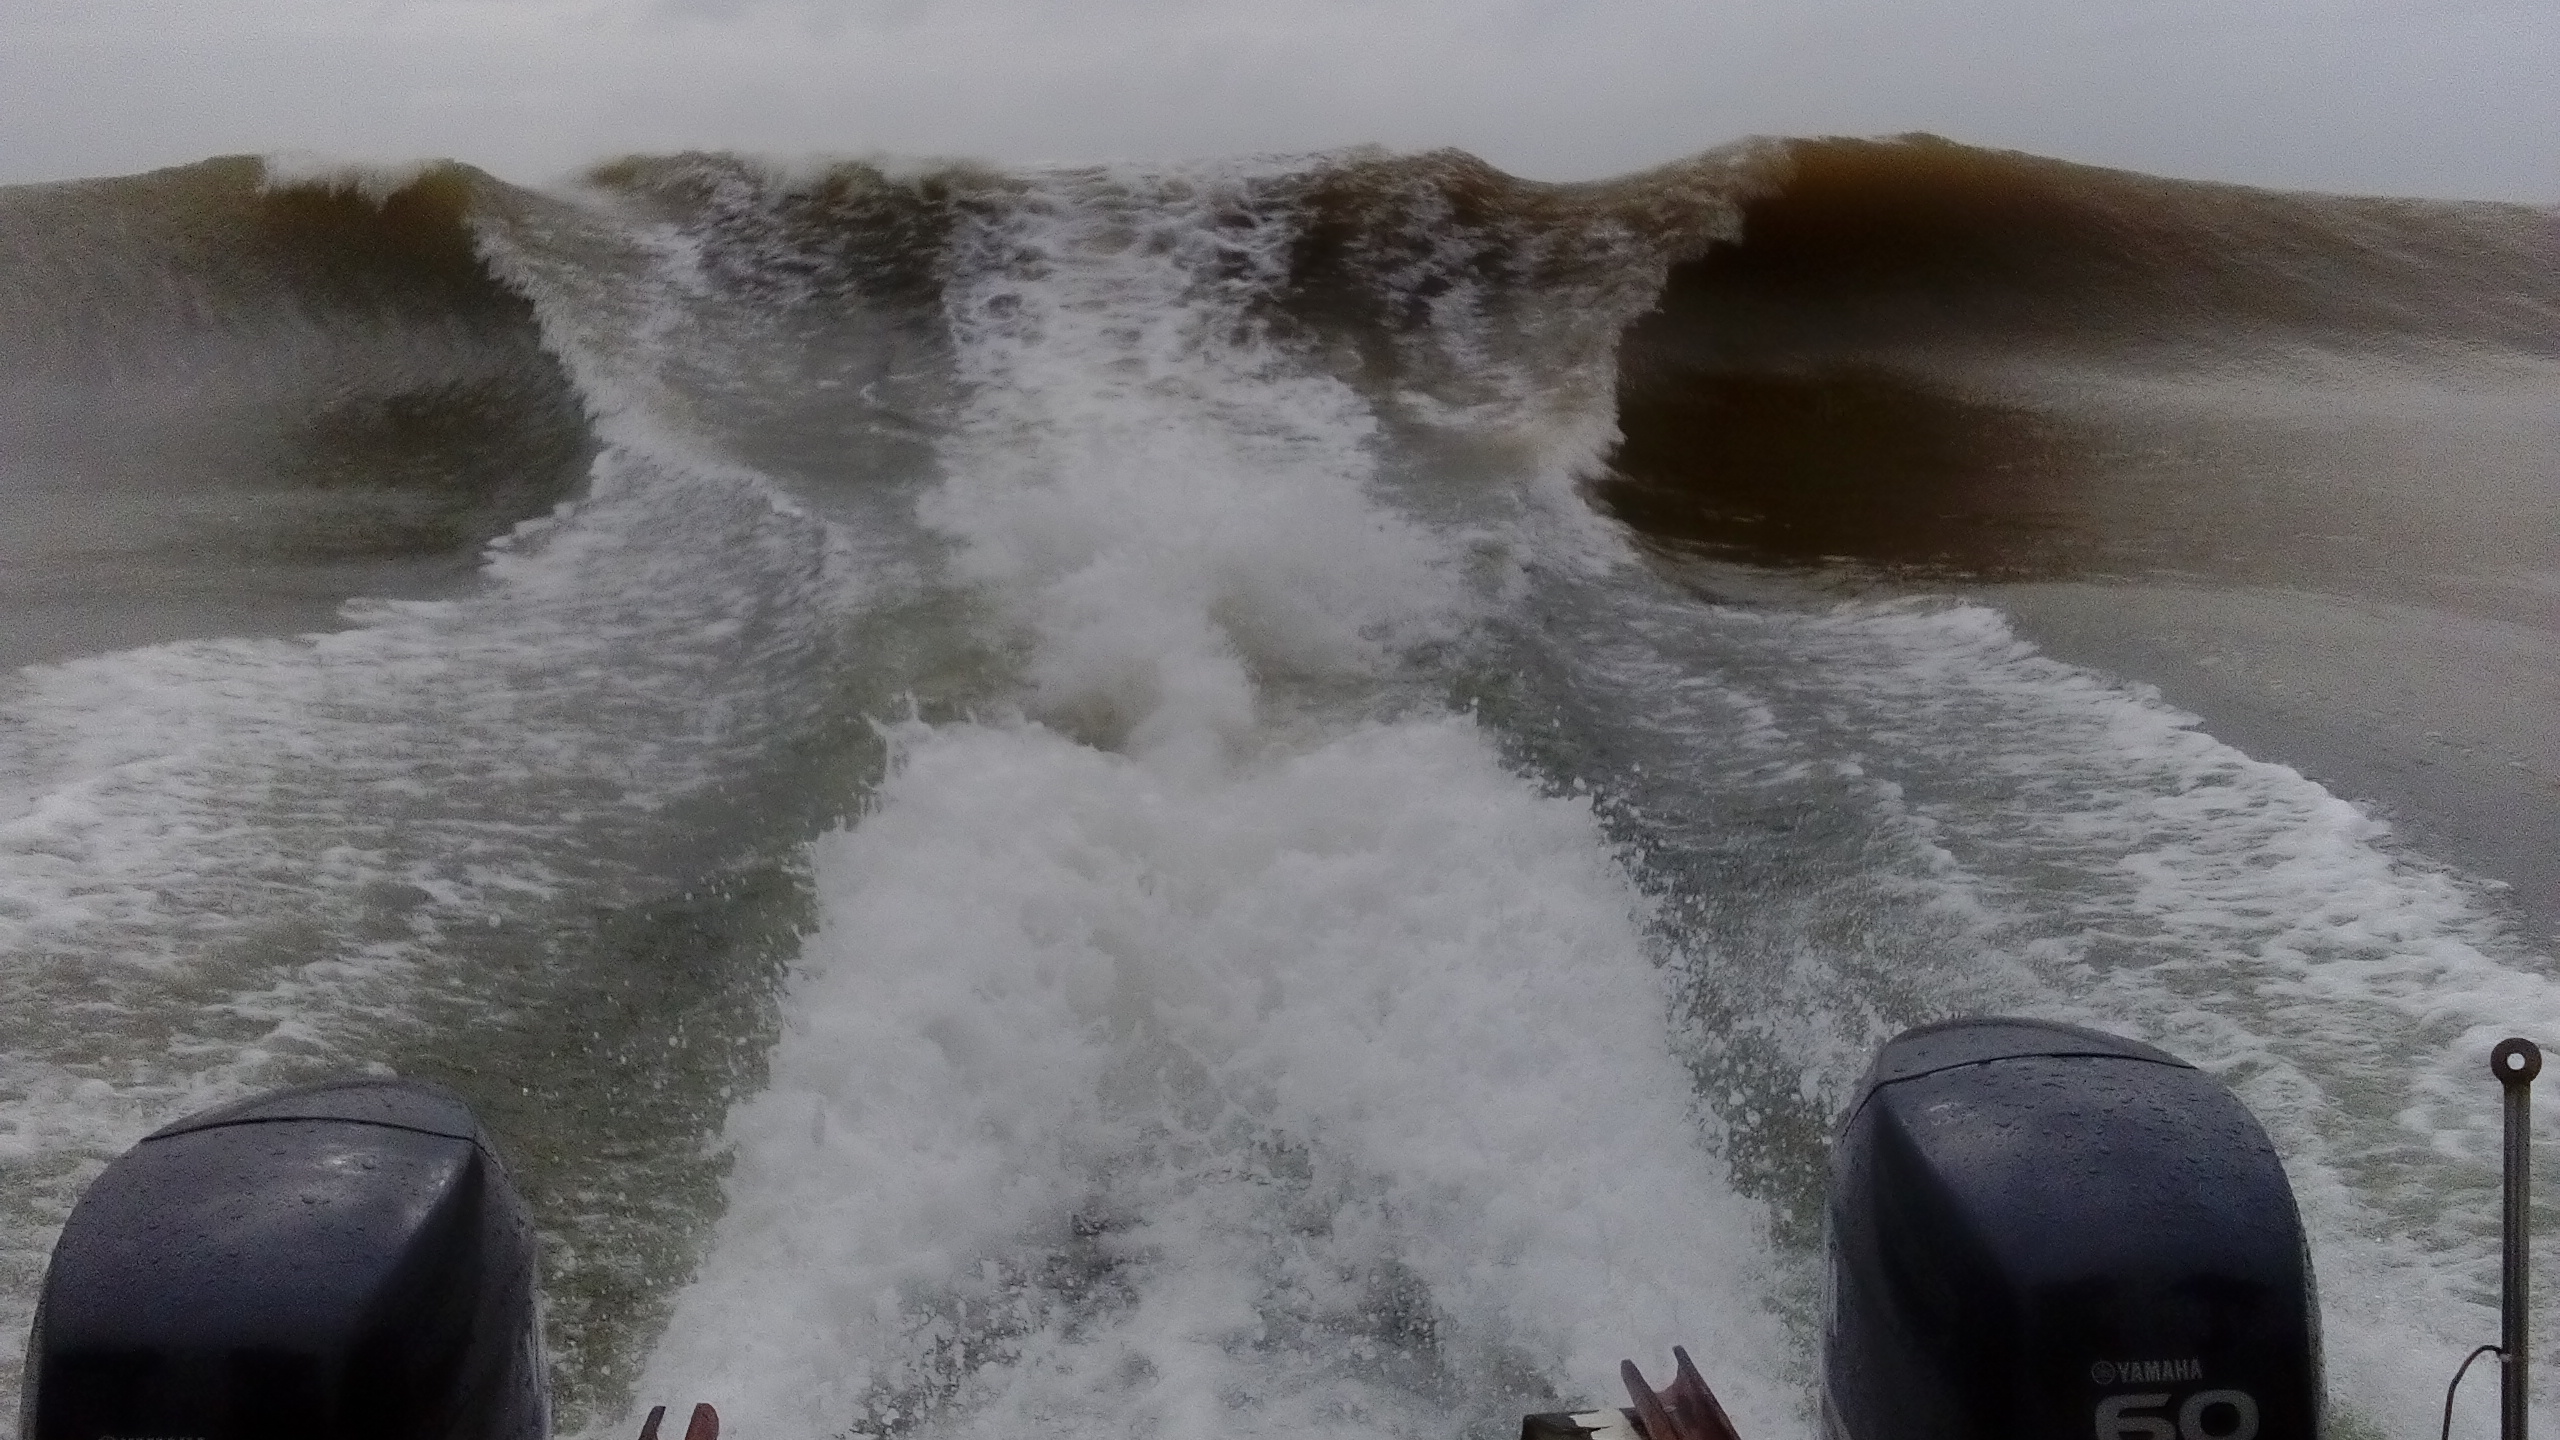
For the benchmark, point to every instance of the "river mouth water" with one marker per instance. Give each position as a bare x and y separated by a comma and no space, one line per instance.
1269,795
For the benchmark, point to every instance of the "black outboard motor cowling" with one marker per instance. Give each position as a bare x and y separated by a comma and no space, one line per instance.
336,1262
2039,1231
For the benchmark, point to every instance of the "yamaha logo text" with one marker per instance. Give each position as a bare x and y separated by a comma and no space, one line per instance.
2145,1372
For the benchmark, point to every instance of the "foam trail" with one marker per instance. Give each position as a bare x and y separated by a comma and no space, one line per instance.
1198,1053
235,862
1164,1075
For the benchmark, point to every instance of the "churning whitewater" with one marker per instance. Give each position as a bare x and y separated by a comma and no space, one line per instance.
1217,1044
1112,802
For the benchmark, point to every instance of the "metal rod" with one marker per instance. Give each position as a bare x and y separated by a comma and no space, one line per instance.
2515,1062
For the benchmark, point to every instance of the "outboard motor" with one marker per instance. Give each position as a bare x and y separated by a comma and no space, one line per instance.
2041,1230
2038,1230
337,1262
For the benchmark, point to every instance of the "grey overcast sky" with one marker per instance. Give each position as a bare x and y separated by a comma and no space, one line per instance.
2425,97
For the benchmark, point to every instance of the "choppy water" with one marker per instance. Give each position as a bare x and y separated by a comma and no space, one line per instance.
1273,797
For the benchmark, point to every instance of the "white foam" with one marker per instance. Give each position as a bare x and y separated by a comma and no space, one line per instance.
1167,507
1274,1031
1178,1060
375,180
